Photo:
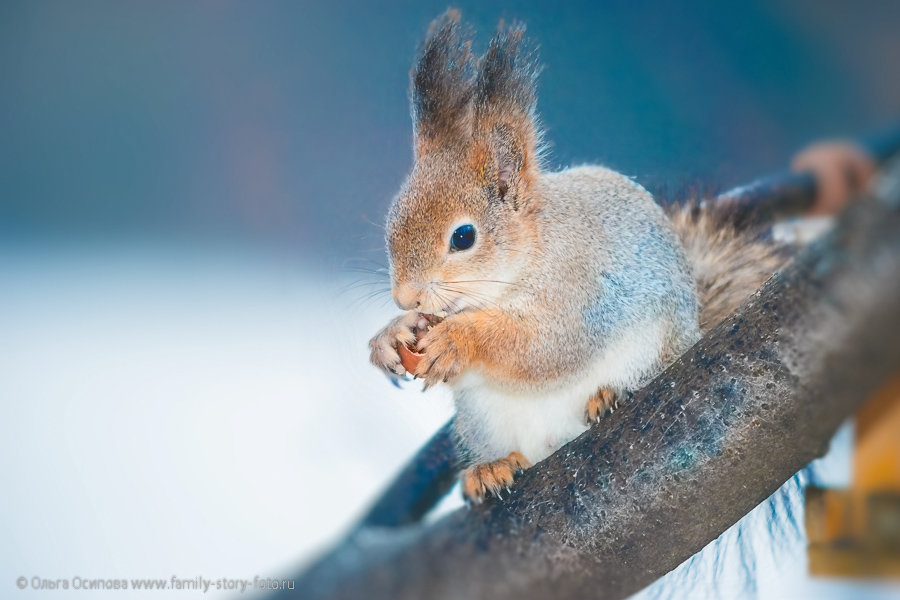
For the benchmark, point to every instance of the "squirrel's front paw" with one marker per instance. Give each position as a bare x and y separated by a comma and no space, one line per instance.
492,477
441,358
383,346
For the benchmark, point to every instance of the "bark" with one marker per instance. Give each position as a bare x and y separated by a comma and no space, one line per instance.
428,476
722,428
432,472
786,194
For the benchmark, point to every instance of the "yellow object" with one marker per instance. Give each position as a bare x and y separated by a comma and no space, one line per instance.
856,532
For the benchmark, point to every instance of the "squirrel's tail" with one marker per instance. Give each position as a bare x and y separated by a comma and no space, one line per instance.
728,263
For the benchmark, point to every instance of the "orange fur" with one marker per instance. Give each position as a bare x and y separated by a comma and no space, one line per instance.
491,478
603,401
491,340
728,264
481,161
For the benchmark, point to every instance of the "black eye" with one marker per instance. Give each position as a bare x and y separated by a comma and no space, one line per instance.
463,237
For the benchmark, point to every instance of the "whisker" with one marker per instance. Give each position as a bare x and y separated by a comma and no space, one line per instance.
355,285
487,281
364,259
478,303
364,285
369,274
366,219
481,300
383,294
379,272
442,300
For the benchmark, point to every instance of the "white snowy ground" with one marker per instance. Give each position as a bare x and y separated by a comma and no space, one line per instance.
171,410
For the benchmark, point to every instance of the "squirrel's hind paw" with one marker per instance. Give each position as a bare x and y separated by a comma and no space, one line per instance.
482,480
603,402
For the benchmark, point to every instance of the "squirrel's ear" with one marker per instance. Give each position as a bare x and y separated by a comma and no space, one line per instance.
442,84
508,158
504,106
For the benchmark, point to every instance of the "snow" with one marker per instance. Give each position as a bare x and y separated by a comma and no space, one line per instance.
188,411
172,410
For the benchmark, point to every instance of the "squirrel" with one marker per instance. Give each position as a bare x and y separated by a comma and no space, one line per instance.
562,291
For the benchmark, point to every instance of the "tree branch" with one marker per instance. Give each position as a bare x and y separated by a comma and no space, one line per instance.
432,472
714,435
425,480
788,194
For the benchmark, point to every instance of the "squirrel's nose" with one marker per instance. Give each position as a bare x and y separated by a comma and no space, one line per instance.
407,296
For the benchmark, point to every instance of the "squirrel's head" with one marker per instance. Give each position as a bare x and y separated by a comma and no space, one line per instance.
459,230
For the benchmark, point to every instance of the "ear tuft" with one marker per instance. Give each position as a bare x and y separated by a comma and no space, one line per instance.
442,81
508,74
483,104
505,109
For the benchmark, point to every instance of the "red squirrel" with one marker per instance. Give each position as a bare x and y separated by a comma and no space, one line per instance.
561,291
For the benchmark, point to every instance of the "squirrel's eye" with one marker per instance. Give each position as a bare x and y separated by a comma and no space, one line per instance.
463,237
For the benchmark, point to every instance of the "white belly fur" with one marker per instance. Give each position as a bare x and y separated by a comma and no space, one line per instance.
493,421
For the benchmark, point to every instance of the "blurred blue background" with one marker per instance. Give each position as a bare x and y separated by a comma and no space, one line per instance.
287,122
184,385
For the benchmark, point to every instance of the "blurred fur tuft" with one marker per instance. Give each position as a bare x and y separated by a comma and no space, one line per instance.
728,263
442,80
507,74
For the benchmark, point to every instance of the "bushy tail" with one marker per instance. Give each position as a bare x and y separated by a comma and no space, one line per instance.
728,263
